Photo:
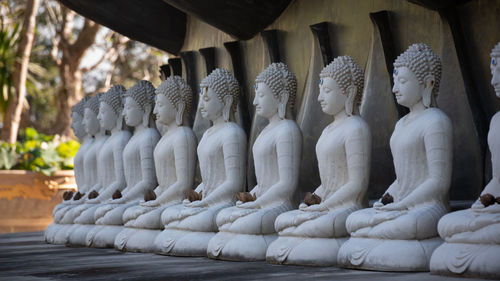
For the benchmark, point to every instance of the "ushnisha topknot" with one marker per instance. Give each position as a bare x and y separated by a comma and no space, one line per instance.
114,98
223,83
79,107
175,89
495,52
280,80
346,72
93,103
422,61
143,94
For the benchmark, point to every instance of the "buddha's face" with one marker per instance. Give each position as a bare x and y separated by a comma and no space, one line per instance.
266,105
77,125
407,88
495,73
107,117
330,97
132,112
90,122
164,110
210,105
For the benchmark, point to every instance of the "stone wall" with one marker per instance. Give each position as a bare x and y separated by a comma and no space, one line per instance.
462,37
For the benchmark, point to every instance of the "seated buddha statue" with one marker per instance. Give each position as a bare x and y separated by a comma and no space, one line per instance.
109,165
246,230
222,157
175,163
472,236
91,124
86,141
138,164
400,232
313,234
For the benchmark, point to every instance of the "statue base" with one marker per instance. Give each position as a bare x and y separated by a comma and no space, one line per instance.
137,240
50,232
60,236
175,242
239,247
77,234
304,251
103,236
387,255
470,260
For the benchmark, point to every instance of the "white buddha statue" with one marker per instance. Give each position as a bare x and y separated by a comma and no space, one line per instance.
175,162
313,234
472,236
222,158
139,169
86,141
91,124
400,232
109,165
246,230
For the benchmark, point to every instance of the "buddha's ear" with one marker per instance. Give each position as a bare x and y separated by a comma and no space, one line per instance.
429,83
226,110
349,102
282,104
145,117
180,113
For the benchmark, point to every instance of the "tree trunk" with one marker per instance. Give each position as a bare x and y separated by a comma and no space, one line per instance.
20,72
72,53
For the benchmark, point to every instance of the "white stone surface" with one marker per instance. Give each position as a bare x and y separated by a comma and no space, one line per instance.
57,232
175,162
221,153
109,165
472,236
139,169
401,235
313,234
247,229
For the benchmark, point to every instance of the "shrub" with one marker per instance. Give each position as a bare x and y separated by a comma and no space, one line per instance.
38,152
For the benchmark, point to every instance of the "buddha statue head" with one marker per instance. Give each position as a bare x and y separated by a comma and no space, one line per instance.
417,73
275,90
91,110
77,113
219,93
495,69
111,107
173,101
341,86
139,100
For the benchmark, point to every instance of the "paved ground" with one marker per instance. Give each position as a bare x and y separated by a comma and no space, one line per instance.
24,256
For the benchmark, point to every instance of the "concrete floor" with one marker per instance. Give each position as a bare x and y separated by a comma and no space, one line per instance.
25,256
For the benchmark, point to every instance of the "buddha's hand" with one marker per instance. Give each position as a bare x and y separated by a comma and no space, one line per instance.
477,206
313,208
196,204
118,201
151,203
391,207
490,209
249,205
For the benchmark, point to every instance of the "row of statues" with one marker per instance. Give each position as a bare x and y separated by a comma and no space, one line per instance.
135,190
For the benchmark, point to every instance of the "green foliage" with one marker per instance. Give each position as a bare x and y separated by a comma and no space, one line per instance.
38,152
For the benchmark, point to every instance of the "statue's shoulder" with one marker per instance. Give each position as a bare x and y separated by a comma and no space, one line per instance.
436,116
356,123
231,129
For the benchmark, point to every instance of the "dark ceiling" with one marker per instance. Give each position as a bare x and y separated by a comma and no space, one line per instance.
162,23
